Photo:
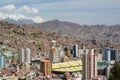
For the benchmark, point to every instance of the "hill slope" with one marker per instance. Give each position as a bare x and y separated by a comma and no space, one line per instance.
17,36
102,32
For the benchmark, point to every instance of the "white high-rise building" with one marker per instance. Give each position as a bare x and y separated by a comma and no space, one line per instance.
53,43
24,55
27,55
21,55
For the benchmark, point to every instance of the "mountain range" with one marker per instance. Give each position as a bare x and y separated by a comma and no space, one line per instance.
35,36
19,21
74,30
91,32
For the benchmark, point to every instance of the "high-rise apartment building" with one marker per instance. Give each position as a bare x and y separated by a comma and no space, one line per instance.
114,54
89,65
24,55
2,61
21,55
46,51
27,55
45,67
75,51
110,54
53,54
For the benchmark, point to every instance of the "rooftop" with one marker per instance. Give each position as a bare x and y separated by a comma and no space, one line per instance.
71,66
45,60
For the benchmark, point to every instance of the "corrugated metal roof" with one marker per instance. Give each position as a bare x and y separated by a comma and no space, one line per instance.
71,66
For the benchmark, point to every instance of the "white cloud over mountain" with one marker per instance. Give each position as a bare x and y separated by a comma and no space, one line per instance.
19,13
8,7
28,9
12,16
37,19
20,17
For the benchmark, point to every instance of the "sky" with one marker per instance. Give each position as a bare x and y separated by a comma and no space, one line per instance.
88,12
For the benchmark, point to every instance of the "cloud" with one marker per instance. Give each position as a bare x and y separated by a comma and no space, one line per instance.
8,7
37,19
19,12
28,9
22,9
83,11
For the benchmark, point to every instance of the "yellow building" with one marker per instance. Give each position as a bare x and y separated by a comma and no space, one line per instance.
27,66
65,59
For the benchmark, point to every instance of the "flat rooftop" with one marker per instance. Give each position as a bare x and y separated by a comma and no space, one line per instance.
71,66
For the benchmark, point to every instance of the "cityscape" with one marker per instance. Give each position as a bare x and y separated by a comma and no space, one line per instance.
57,62
59,40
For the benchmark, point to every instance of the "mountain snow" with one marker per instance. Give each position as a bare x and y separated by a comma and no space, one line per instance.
20,17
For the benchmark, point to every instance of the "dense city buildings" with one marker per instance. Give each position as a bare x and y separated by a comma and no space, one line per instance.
62,63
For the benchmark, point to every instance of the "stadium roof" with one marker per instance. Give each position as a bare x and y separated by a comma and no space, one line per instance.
71,66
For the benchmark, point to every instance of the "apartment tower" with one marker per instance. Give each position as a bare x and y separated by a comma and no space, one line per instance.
89,65
45,67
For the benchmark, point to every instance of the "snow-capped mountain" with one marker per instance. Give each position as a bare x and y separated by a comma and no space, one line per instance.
20,19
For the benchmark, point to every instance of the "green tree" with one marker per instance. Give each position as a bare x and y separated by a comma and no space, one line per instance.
115,71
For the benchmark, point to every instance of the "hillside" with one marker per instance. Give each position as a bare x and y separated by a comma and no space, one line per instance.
17,36
100,32
66,33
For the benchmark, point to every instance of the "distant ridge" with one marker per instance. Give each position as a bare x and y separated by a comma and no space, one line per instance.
20,21
102,32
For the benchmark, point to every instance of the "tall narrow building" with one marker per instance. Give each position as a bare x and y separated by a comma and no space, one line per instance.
24,55
45,67
89,65
110,54
2,61
46,51
53,54
75,51
27,55
21,55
